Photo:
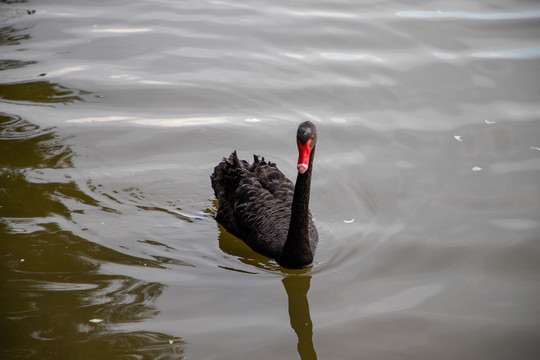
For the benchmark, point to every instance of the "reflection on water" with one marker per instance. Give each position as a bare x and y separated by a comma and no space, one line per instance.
26,145
295,282
239,250
56,301
10,35
40,92
14,64
297,288
33,91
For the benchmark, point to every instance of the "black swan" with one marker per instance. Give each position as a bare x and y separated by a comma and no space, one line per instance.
259,205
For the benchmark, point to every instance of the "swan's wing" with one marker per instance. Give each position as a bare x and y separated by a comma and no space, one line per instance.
254,202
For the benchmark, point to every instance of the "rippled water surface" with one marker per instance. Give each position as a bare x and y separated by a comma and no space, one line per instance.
426,188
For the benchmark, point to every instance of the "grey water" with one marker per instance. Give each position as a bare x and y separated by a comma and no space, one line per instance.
426,184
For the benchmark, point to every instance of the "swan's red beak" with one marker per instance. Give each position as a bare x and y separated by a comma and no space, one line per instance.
304,151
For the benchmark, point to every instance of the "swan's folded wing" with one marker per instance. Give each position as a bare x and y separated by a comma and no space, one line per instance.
254,202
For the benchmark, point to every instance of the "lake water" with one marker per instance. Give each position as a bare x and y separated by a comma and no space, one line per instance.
426,185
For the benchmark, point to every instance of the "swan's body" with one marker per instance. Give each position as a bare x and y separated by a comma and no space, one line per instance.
258,204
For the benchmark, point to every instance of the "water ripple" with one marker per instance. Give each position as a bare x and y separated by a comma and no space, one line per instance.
529,14
509,54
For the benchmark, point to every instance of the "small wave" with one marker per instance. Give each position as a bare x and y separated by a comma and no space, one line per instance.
509,54
530,14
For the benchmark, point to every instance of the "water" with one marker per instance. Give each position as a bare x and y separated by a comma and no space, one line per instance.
425,188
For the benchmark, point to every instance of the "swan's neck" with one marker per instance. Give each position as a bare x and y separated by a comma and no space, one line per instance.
297,251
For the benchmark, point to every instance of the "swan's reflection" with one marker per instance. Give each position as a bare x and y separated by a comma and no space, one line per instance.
297,287
296,284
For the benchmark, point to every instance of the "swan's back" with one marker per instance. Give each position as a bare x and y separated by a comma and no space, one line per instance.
254,202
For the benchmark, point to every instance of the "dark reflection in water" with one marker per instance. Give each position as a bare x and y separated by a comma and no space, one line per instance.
14,64
23,144
296,284
10,35
40,92
55,301
34,91
297,288
239,250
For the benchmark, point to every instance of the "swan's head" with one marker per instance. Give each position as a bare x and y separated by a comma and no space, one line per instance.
306,138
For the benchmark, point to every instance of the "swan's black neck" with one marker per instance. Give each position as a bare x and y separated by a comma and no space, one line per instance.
297,252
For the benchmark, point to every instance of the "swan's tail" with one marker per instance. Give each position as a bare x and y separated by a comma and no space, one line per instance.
225,179
227,174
